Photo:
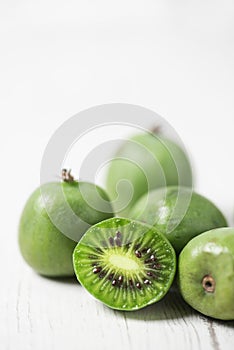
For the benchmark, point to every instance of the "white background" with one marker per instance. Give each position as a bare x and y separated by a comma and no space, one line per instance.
59,57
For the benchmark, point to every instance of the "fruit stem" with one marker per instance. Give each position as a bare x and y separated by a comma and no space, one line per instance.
66,175
156,129
208,284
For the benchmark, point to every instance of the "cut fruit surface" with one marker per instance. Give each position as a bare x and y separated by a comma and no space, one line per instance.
125,264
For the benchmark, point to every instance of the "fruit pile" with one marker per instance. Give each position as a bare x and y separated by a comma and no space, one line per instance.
129,256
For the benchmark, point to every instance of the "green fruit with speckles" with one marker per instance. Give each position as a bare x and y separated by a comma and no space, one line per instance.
125,264
206,273
54,218
145,162
179,213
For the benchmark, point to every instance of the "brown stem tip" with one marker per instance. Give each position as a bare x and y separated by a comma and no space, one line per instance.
208,284
156,129
66,175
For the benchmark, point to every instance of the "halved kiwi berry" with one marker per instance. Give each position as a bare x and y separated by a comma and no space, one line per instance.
125,264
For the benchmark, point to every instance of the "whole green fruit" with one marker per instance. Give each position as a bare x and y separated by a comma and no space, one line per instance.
206,273
44,247
179,213
146,161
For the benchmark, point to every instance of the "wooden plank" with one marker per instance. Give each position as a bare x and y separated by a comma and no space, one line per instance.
39,313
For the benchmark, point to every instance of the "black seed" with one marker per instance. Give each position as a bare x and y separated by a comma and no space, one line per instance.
128,245
114,282
152,257
144,250
138,285
97,269
94,264
147,282
111,240
110,277
138,254
118,241
147,261
156,266
148,251
120,279
118,235
150,274
102,274
130,283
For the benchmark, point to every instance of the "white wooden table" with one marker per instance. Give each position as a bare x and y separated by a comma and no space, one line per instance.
58,57
39,313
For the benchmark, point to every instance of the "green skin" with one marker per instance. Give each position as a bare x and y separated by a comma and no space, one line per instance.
120,261
157,208
210,254
44,247
151,162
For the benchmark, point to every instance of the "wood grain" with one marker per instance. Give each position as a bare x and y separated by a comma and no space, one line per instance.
39,313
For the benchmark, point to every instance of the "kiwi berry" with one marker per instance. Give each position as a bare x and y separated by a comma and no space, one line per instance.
43,245
206,273
179,213
146,161
125,264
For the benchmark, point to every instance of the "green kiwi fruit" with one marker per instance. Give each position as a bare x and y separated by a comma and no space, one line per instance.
42,244
206,273
146,161
125,264
179,213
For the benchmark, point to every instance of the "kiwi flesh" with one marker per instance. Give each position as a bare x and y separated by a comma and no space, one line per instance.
206,273
124,263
